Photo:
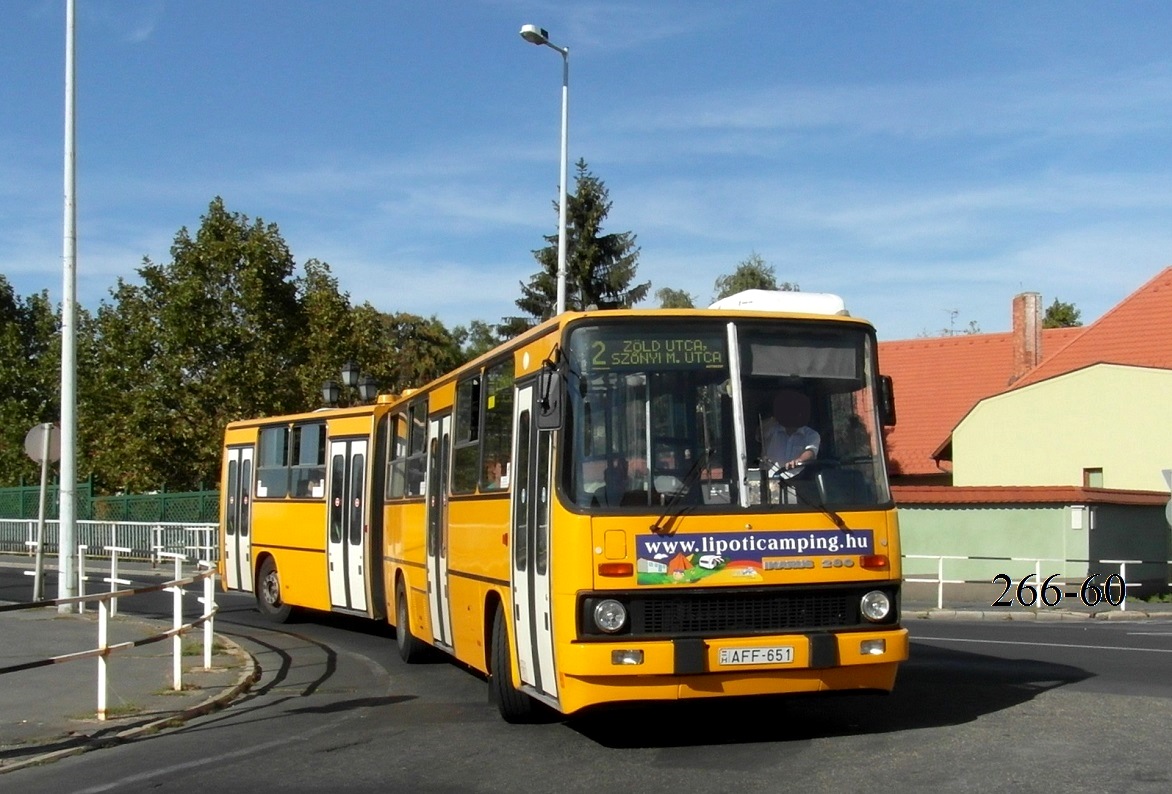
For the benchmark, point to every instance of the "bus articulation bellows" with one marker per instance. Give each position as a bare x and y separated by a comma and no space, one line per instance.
615,506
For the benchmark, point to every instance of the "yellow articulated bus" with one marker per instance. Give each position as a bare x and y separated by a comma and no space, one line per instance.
636,505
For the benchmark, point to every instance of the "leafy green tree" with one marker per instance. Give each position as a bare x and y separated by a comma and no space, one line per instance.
674,299
330,339
1061,315
415,349
216,334
752,273
599,267
30,379
478,338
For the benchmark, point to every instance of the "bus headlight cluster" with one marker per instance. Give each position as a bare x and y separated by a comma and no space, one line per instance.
610,616
875,606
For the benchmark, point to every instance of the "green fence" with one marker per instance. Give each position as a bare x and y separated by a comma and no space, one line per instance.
188,507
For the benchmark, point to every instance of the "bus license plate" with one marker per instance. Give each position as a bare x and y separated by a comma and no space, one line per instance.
777,654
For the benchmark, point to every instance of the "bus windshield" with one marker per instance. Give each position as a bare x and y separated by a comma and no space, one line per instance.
660,413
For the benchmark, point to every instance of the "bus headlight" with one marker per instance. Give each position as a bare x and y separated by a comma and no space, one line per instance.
875,606
610,615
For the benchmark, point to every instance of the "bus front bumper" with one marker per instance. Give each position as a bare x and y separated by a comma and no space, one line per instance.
598,672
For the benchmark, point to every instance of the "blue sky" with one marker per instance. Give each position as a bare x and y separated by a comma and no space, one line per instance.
925,160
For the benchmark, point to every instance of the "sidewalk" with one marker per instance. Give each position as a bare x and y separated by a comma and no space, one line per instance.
50,711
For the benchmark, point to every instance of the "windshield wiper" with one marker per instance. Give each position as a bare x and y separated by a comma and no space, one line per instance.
835,517
689,480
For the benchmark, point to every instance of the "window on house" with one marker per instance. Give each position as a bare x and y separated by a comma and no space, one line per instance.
1092,478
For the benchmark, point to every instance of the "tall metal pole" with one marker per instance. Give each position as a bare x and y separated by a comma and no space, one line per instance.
67,490
565,51
539,36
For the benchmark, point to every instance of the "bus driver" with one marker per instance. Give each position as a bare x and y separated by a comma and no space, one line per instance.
786,440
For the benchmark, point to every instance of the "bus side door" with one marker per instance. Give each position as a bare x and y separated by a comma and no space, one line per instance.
238,520
347,523
439,430
530,546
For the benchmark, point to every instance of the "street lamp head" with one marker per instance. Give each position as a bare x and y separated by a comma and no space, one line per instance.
331,393
367,388
534,34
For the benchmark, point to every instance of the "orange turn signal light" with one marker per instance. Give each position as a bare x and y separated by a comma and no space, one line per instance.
615,569
875,562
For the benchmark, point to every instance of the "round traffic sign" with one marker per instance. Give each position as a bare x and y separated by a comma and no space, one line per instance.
34,442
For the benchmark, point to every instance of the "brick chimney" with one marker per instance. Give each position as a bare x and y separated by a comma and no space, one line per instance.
1027,333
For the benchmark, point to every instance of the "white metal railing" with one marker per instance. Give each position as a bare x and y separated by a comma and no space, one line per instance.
146,540
1086,586
104,648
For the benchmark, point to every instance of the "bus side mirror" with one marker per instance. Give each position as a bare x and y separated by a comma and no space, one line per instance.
886,401
550,394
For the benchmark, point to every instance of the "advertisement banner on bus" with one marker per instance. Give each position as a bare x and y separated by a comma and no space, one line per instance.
736,556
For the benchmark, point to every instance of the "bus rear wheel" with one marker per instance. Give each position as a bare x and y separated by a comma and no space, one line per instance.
513,704
268,593
411,648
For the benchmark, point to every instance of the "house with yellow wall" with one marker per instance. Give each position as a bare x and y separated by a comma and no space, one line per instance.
1047,444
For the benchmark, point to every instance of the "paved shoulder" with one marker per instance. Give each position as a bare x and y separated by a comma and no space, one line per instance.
50,709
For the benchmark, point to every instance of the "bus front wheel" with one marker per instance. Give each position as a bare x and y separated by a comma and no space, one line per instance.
268,593
514,705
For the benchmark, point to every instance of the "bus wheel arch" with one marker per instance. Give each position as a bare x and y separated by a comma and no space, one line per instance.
492,603
268,591
513,704
411,649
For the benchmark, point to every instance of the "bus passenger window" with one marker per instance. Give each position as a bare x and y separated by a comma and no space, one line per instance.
498,425
309,461
417,454
272,468
466,441
397,456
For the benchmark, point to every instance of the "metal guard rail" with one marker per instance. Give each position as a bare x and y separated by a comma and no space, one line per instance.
940,581
107,602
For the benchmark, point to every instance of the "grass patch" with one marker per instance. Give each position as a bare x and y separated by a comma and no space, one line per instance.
1163,598
113,712
122,710
184,686
195,647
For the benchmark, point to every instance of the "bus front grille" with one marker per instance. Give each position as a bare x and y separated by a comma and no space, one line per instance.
714,613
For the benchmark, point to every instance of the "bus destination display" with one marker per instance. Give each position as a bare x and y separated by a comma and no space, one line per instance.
608,351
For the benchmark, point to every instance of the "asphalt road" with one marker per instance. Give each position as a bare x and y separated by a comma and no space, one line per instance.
981,706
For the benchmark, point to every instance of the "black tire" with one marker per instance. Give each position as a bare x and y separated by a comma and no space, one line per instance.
268,593
411,649
514,705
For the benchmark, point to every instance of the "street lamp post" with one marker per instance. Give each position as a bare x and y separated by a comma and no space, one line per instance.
354,381
536,35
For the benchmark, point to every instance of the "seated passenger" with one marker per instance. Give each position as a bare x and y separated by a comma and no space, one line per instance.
492,474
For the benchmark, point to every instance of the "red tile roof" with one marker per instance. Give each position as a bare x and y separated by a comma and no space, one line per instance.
1137,332
1022,494
938,380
